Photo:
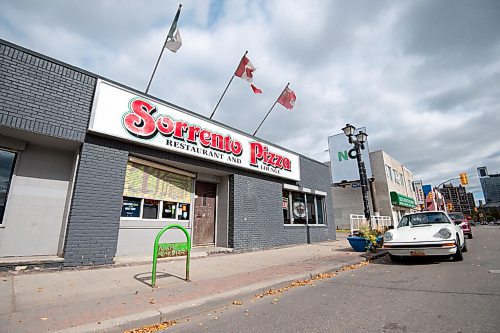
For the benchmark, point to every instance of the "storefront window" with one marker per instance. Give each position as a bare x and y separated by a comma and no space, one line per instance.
319,205
131,207
302,208
298,208
155,194
286,207
183,212
311,209
150,209
169,209
7,161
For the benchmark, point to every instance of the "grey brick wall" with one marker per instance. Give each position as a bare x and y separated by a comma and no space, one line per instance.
94,219
256,216
255,213
41,95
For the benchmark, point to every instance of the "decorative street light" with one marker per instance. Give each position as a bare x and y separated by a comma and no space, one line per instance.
358,141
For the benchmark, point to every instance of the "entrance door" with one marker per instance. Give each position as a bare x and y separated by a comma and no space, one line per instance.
204,213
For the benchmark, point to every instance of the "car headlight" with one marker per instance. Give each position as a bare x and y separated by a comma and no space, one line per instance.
444,233
387,236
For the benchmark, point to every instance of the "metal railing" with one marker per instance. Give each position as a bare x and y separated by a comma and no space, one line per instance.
376,221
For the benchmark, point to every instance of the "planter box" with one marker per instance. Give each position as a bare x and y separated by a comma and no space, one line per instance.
359,244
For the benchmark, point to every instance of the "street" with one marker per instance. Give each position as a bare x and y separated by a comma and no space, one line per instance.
420,295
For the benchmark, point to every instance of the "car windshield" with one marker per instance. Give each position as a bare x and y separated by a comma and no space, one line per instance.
423,219
456,216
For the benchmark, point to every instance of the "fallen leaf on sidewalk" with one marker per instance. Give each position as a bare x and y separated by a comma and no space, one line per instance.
44,318
154,328
237,303
39,290
307,282
152,301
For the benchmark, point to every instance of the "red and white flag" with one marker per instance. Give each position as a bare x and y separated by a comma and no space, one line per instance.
287,98
245,71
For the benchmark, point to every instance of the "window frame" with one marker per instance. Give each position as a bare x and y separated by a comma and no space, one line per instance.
315,206
9,183
160,211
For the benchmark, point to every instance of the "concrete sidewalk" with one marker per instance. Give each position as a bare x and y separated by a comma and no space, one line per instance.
119,298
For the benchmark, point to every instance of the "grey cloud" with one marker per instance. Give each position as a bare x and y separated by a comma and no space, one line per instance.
452,33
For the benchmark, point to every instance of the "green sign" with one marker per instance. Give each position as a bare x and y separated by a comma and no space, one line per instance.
172,249
402,200
343,155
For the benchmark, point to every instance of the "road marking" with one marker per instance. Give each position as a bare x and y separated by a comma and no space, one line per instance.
496,271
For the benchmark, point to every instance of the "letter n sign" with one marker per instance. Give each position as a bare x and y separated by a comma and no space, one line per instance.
343,155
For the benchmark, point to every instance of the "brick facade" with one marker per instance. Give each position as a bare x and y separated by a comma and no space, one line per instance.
44,96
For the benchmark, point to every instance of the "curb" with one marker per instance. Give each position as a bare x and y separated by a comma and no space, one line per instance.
201,305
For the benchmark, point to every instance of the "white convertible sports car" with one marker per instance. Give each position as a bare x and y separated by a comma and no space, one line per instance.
425,234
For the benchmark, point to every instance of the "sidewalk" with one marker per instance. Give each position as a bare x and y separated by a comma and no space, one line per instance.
118,298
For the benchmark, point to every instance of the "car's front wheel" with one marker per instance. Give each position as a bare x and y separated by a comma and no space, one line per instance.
465,248
469,236
458,256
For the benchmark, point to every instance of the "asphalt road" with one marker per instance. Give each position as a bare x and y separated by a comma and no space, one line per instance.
418,295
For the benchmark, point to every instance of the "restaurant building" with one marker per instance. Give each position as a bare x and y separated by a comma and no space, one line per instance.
92,170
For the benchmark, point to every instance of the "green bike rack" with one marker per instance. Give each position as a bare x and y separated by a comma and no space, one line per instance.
170,248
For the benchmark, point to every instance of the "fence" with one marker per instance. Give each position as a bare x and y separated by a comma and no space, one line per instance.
359,220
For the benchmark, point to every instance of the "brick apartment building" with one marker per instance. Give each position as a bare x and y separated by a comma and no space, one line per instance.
461,200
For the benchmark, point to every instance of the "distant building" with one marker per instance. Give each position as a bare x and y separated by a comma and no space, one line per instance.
490,184
458,196
394,192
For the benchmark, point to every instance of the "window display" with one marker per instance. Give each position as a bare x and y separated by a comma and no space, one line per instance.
154,194
298,208
150,209
131,207
169,209
302,208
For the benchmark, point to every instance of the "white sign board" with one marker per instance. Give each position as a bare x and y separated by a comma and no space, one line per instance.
343,158
419,192
124,114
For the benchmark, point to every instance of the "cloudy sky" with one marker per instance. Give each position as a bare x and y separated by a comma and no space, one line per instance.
422,76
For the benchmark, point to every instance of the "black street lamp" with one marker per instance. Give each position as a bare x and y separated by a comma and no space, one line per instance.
359,144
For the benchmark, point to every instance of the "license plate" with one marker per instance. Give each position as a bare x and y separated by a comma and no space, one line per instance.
417,253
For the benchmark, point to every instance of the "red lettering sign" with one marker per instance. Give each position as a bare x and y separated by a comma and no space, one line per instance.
140,122
260,152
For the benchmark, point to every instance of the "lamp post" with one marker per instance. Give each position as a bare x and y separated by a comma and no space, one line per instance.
358,141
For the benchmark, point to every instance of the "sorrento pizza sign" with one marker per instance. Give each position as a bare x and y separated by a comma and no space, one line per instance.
123,114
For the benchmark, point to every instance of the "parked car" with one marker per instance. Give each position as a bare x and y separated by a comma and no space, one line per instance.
459,218
425,234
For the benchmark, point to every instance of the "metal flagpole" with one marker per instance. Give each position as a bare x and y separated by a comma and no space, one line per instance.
170,34
231,80
268,112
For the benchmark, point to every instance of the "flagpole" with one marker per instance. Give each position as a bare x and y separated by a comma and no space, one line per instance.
231,80
268,112
162,48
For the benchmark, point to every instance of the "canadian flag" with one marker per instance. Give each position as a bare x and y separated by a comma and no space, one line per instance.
245,71
287,98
